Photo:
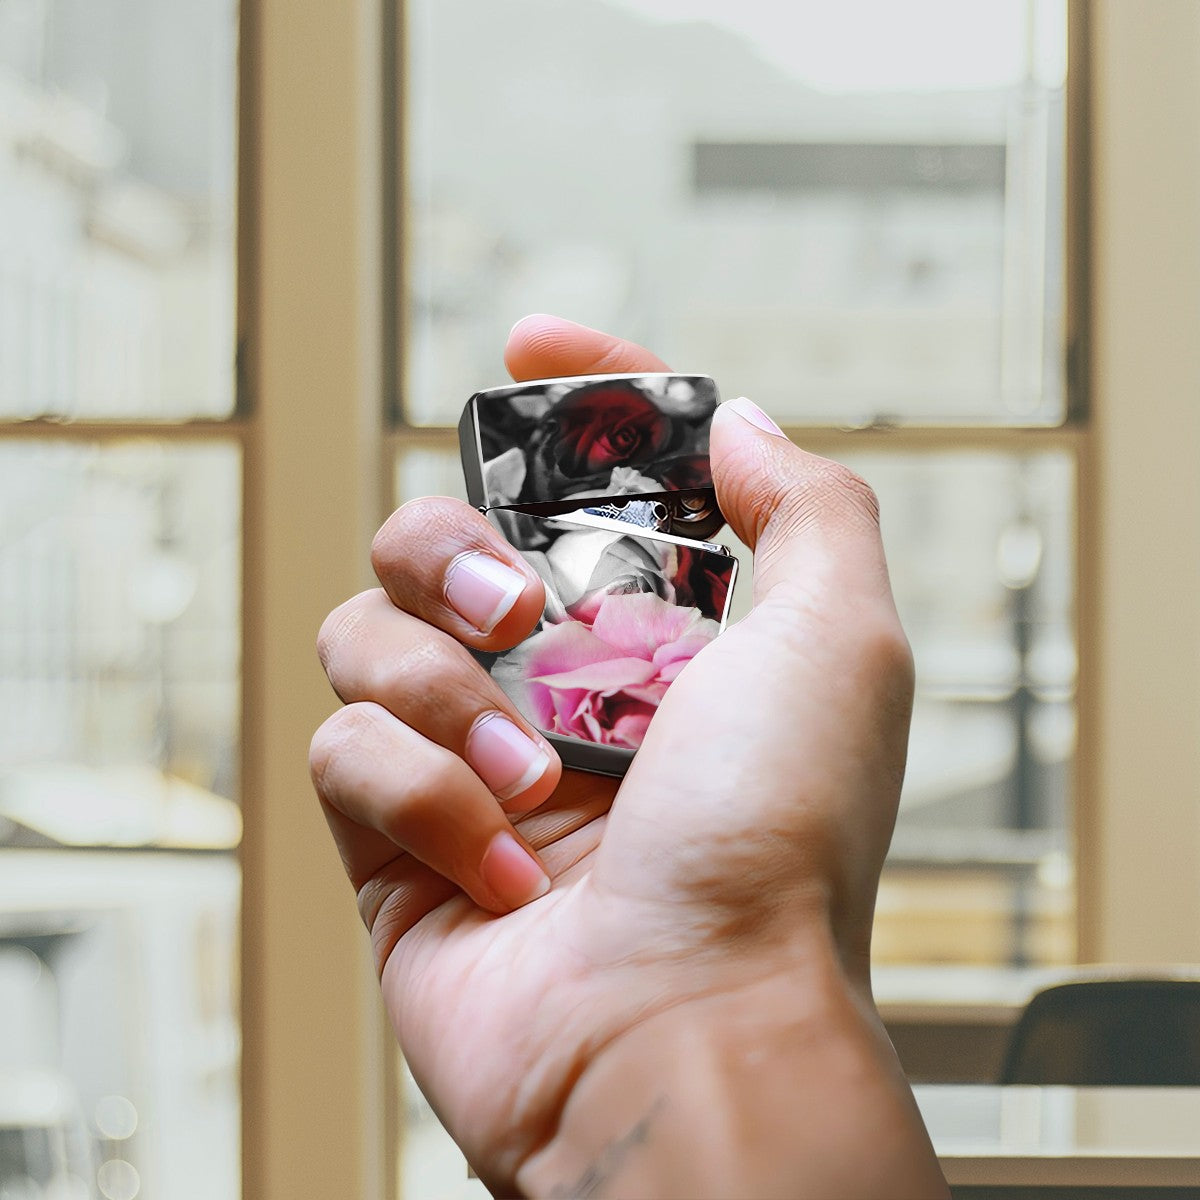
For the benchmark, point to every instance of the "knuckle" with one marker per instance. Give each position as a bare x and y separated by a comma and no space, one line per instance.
830,497
426,517
843,491
386,547
887,654
860,493
426,784
426,670
794,494
341,627
339,737
389,539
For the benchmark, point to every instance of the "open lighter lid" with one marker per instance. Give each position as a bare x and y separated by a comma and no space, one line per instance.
551,445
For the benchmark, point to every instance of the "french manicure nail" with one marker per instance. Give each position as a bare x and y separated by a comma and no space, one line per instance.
506,759
481,589
511,872
750,411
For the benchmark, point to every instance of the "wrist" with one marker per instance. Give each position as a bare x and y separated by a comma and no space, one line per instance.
764,1090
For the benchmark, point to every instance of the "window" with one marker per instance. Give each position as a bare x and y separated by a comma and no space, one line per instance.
871,248
120,581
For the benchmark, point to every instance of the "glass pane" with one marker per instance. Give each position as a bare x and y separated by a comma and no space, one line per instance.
117,168
119,884
429,471
847,229
431,1164
981,552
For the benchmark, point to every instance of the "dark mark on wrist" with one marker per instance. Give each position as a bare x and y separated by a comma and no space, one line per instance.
610,1160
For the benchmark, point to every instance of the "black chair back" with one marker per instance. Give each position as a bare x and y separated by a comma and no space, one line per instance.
1115,1032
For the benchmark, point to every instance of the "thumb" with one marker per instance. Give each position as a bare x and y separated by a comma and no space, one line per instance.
811,522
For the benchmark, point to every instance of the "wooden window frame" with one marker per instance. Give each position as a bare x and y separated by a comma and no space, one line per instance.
320,1080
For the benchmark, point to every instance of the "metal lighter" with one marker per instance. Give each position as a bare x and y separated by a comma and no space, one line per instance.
603,484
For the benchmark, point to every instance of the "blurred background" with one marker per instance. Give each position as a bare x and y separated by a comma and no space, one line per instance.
120,580
252,262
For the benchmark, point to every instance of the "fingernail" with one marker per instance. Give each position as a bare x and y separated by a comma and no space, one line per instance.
506,759
513,875
481,589
527,317
750,411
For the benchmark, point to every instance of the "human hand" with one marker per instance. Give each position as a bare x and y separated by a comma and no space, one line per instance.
687,1008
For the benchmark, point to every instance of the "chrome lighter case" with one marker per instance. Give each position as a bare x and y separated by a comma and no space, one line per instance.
603,484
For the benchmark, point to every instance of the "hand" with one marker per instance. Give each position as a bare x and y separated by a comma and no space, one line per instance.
686,1010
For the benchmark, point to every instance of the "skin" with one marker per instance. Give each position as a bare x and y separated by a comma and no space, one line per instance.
688,1010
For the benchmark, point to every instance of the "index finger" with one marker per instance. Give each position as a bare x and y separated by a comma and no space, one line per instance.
542,347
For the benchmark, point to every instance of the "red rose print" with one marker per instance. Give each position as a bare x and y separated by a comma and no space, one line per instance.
686,472
697,583
606,426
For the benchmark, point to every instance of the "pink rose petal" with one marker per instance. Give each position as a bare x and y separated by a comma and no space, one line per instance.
640,623
585,610
630,728
601,676
685,649
567,704
549,706
604,683
670,672
648,693
563,647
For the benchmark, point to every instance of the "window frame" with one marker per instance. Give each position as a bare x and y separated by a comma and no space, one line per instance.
1138,850
317,1053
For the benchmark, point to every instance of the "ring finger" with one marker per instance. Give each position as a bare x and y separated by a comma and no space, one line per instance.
388,790
374,652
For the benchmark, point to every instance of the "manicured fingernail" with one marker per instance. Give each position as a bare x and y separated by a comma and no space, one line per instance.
506,759
526,317
750,411
511,872
481,589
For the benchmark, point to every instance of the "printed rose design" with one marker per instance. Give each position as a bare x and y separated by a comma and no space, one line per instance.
602,682
597,428
702,581
686,472
558,441
580,567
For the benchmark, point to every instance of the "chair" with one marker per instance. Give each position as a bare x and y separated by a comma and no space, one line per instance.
1116,1032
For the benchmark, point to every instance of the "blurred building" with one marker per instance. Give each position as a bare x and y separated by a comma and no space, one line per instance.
120,594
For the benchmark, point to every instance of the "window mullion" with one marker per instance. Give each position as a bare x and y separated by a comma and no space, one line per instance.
315,1060
1139,762
114,431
